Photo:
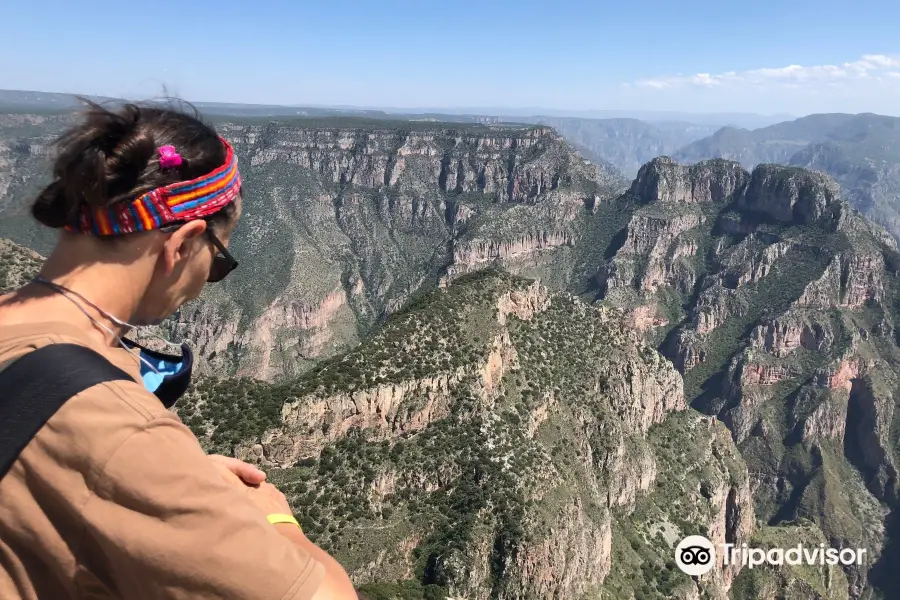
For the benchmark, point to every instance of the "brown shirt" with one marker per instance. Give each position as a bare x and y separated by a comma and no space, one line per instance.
114,498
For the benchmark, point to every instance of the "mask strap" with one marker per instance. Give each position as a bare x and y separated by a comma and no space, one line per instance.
63,292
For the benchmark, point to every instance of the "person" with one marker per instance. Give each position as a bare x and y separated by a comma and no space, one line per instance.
114,497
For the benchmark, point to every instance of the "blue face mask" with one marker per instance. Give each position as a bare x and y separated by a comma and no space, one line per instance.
172,375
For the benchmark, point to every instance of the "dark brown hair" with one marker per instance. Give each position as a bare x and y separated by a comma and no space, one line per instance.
112,156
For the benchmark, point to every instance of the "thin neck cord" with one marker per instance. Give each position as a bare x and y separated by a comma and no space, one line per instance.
64,292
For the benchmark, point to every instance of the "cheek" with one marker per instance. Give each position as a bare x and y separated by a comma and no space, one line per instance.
197,274
193,277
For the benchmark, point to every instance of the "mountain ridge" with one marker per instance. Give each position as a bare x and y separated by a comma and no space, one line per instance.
861,151
364,212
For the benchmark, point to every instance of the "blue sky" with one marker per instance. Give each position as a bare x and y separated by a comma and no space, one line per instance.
766,56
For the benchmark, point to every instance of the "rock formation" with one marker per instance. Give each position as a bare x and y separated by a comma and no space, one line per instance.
493,439
345,219
780,303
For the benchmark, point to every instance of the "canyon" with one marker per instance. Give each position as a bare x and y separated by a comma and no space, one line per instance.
482,364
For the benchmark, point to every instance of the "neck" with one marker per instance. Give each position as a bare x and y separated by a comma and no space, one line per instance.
115,288
104,320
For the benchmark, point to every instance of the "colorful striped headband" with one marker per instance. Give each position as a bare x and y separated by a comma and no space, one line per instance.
174,203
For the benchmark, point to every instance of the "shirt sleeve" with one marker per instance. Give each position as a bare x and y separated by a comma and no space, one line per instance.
163,524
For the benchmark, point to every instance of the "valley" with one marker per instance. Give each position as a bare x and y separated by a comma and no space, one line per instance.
483,364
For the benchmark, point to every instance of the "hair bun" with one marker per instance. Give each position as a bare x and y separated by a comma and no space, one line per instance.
105,157
51,208
112,156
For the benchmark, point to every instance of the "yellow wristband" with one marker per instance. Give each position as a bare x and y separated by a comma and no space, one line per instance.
278,518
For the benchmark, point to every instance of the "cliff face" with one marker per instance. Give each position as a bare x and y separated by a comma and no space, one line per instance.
495,439
777,302
861,152
18,265
345,219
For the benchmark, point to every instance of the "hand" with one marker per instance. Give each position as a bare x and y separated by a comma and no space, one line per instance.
237,472
269,500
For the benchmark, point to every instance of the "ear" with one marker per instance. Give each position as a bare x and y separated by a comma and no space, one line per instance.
178,246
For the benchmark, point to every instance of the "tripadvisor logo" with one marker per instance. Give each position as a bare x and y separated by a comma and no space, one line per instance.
696,555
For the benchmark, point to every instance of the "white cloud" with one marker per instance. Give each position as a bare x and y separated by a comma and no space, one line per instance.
869,67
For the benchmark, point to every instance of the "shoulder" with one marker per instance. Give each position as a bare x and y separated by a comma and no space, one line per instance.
88,429
125,394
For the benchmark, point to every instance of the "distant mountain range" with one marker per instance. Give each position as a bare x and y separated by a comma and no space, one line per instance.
625,143
33,100
862,152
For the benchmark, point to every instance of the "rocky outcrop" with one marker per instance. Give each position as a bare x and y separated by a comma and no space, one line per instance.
523,304
851,280
469,256
757,374
791,195
685,350
648,395
714,306
664,180
385,412
733,523
655,239
756,266
646,318
18,265
566,565
783,335
453,160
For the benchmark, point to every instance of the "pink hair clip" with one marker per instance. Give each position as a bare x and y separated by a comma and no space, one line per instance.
168,157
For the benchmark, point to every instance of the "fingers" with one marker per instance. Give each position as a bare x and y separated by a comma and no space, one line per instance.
245,471
228,476
268,498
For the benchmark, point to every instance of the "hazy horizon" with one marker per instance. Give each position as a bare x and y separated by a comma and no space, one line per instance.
498,110
44,99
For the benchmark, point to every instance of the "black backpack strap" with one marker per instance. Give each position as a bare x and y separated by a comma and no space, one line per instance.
35,386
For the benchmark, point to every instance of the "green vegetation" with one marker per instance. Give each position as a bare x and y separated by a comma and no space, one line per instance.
803,582
678,505
771,295
468,490
406,590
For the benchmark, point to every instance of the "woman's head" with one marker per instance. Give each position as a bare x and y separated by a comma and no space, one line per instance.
149,187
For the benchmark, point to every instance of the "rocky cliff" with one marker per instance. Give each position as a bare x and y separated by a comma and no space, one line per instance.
494,439
344,219
777,301
861,152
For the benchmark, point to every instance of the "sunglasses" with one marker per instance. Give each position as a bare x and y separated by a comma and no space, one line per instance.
223,263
